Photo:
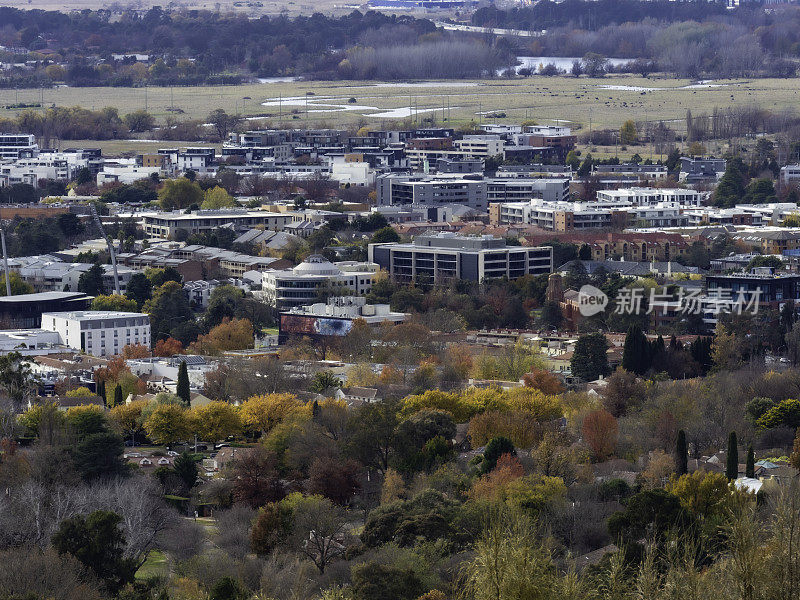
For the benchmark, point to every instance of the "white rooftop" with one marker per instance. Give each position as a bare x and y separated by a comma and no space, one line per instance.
93,315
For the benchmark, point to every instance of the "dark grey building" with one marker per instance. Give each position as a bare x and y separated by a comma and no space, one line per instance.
447,256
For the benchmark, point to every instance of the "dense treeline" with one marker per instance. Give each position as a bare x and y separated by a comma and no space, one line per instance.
685,38
586,14
190,48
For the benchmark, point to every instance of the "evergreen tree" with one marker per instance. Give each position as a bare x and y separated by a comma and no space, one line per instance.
750,468
185,467
118,395
681,454
184,391
636,352
732,185
732,463
101,391
590,361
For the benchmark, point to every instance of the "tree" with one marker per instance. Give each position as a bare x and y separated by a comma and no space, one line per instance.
636,351
732,458
139,289
217,420
98,542
376,581
594,64
750,466
183,390
589,361
623,391
600,432
118,400
86,420
179,193
16,378
384,236
227,588
255,477
371,433
167,424
325,382
705,494
168,308
272,527
627,133
726,350
18,285
222,122
393,487
497,447
681,454
731,187
511,562
139,121
133,351
126,418
114,302
319,529
544,381
650,514
168,347
785,413
231,334
217,197
159,276
334,479
91,282
99,456
185,467
262,413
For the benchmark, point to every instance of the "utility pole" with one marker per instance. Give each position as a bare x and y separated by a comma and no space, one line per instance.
5,259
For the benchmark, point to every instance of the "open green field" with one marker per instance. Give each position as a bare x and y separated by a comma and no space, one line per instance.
601,103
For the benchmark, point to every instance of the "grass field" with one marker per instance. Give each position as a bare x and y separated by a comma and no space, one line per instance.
599,103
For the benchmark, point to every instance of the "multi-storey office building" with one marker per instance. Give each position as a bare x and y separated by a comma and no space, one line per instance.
309,281
449,256
166,225
475,192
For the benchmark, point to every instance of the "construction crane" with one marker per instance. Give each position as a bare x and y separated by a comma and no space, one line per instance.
111,249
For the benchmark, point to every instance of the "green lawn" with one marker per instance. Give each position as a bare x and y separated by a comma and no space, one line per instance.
154,566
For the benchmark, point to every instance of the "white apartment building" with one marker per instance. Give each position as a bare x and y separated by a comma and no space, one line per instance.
573,216
305,283
99,333
643,196
48,275
14,146
480,146
124,171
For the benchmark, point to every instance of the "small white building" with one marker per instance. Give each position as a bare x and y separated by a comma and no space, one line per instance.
99,333
30,342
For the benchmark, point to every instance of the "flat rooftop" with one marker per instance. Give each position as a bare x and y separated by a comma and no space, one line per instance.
92,315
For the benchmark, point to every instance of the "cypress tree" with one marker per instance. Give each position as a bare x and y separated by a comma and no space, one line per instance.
101,391
732,463
681,454
183,391
750,468
636,352
118,395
